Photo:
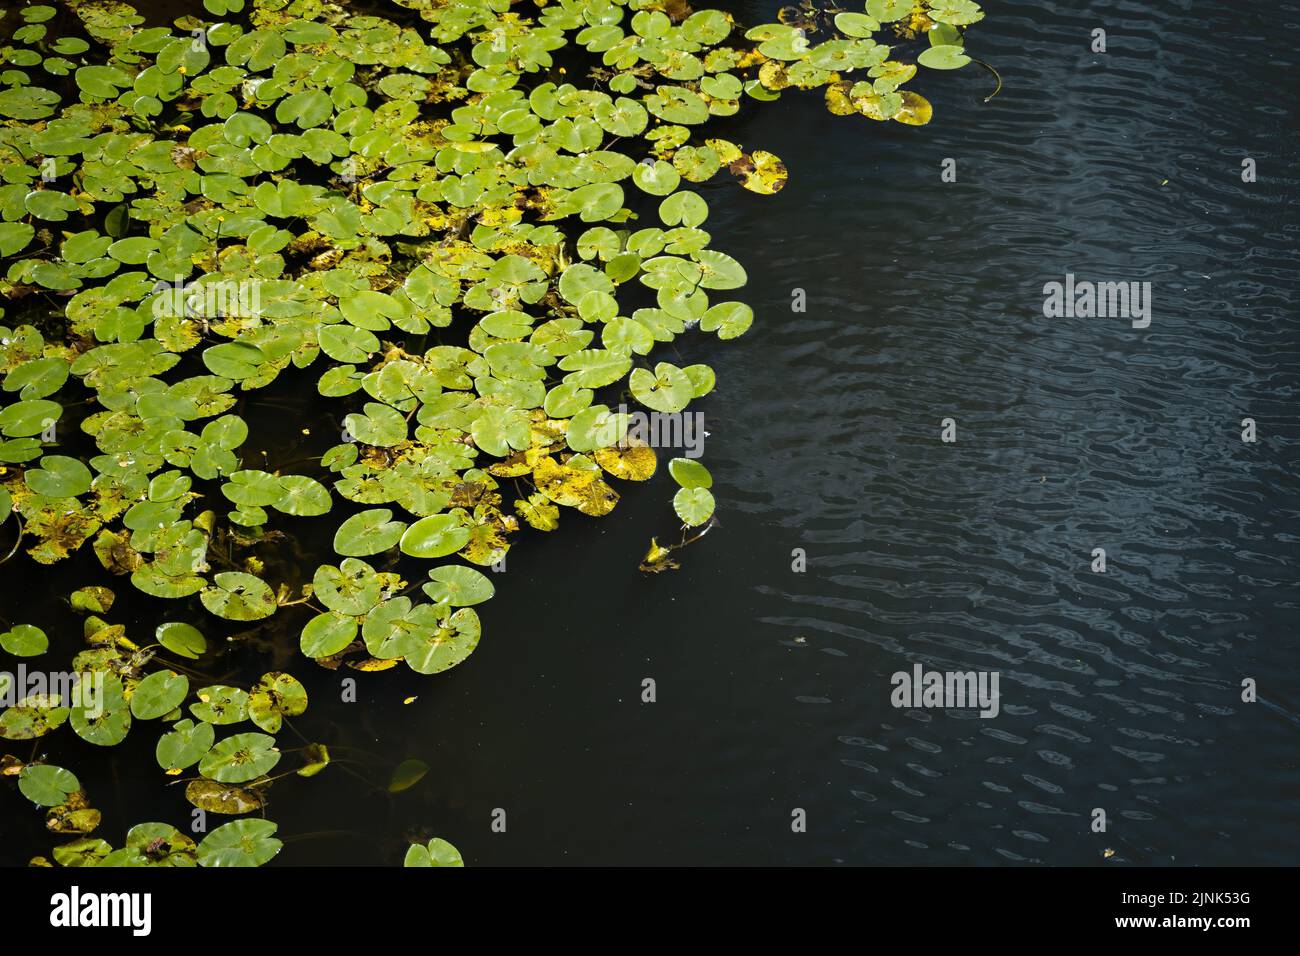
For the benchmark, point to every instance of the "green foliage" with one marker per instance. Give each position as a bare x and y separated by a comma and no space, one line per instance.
434,224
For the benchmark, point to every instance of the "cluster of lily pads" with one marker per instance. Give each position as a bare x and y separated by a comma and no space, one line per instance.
471,224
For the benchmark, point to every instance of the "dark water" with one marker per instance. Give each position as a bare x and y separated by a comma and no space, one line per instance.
1120,691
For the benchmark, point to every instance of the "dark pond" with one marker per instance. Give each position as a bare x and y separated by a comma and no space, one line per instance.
1119,691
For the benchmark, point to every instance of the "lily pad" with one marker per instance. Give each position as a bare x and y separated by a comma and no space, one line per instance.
274,697
24,640
239,597
59,477
437,852
435,536
239,843
102,716
184,745
181,639
240,758
689,473
328,633
458,586
693,505
47,785
369,532
220,704
158,694
947,57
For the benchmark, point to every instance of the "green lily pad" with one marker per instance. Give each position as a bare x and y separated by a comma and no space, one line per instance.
667,389
33,717
693,505
948,57
369,532
275,697
351,588
103,717
458,586
435,536
434,650
184,640
27,418
437,852
158,694
184,745
59,477
300,495
328,633
220,704
237,596
24,640
689,473
240,758
86,851
38,378
47,785
239,843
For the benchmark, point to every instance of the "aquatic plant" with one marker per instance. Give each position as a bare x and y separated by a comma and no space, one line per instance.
469,223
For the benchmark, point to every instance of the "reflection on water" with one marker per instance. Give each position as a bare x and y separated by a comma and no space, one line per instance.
1119,691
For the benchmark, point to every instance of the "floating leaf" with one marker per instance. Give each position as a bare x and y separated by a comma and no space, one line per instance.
450,642
217,797
634,461
158,694
59,477
184,745
435,536
181,639
693,505
943,58
668,389
24,640
239,597
84,852
240,758
239,843
47,785
274,697
32,717
93,600
328,633
369,532
101,716
220,704
760,172
437,852
916,110
689,473
458,586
